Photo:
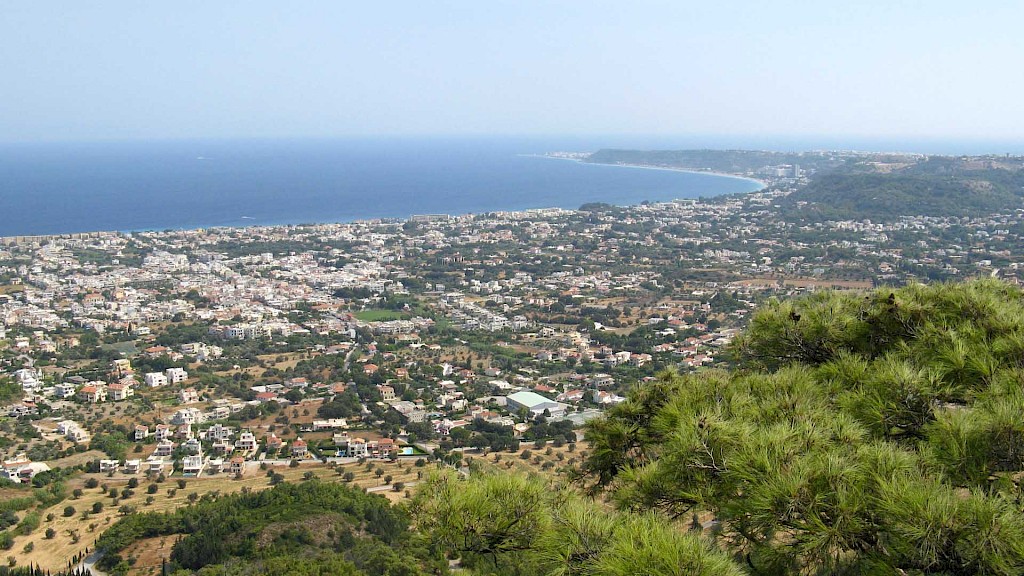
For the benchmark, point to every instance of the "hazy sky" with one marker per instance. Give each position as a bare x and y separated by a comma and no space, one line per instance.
83,69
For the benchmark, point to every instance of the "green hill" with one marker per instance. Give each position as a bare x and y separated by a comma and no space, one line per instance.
883,191
312,528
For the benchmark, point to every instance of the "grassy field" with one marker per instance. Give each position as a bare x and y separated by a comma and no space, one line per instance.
378,315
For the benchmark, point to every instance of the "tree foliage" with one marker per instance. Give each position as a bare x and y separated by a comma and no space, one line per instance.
510,524
325,528
877,434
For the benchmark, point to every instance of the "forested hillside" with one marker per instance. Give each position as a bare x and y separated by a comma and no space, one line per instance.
883,189
311,528
878,434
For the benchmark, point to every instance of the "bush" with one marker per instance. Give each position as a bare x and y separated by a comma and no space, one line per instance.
69,511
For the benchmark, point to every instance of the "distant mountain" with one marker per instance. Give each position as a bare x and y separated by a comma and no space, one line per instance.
742,162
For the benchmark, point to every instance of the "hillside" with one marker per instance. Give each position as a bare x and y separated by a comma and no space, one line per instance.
862,435
307,528
880,190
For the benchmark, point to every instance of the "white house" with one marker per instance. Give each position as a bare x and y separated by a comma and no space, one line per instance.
188,396
192,465
164,448
155,379
176,375
120,391
246,441
64,390
357,448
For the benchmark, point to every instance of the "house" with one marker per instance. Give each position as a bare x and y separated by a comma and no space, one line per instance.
266,396
188,396
572,395
383,448
192,446
108,465
357,448
72,431
176,375
246,442
155,465
141,433
164,448
120,367
299,448
237,466
329,424
222,447
155,379
387,393
92,393
192,465
602,397
64,390
273,442
188,416
132,466
214,465
410,410
218,432
163,432
120,391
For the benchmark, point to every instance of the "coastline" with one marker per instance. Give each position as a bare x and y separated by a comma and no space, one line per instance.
580,189
760,183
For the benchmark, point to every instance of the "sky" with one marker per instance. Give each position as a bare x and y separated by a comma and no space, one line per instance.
100,70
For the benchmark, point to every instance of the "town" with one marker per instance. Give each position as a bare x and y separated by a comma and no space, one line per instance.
218,353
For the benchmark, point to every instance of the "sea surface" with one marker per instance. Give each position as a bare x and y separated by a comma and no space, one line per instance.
54,188
78,187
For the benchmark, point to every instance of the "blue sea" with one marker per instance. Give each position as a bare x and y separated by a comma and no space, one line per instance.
54,188
79,187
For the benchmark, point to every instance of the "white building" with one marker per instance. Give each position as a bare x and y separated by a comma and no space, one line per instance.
155,379
535,404
176,375
246,441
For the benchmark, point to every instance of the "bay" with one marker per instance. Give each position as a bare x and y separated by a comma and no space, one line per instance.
56,188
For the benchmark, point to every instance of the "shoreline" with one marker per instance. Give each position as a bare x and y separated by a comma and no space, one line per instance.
760,183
